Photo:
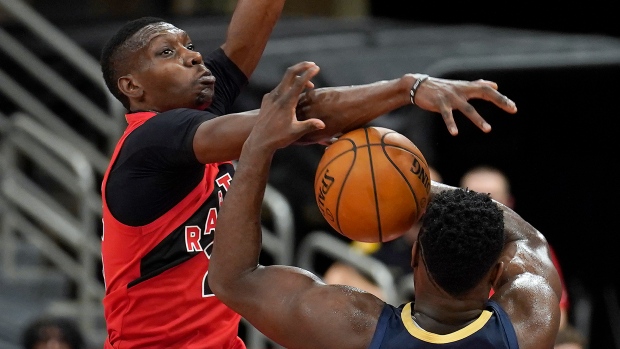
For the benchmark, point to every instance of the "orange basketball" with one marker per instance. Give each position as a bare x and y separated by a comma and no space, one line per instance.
372,184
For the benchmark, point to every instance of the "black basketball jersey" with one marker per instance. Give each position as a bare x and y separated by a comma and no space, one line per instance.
397,330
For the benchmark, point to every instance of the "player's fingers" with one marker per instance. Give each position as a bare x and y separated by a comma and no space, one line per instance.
491,84
307,126
487,90
448,119
302,81
472,114
291,74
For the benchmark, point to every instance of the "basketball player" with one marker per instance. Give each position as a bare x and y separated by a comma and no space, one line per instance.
172,166
467,245
491,180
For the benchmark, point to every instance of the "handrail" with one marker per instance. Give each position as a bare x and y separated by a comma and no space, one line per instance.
72,156
70,168
109,122
31,105
279,242
68,49
320,241
57,84
52,251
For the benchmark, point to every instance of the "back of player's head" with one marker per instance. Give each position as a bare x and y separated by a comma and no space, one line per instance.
44,330
114,54
461,238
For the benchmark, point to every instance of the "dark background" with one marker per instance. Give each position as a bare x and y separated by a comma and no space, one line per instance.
594,17
559,151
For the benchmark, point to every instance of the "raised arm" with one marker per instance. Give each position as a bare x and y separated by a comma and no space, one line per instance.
345,108
248,32
349,107
289,305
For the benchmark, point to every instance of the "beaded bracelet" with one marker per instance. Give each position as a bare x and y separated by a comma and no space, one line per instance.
416,84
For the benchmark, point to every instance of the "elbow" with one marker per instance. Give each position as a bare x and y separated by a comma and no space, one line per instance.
216,277
217,284
226,284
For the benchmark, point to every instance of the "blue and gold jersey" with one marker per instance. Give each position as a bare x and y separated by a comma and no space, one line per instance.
396,329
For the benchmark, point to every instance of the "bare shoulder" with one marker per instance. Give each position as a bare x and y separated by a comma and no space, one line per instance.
533,307
350,314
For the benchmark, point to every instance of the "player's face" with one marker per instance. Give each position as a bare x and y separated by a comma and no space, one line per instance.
171,73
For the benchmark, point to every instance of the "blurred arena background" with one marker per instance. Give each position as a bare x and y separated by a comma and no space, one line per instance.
58,125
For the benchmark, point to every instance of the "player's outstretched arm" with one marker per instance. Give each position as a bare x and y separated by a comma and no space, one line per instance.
345,108
348,107
249,30
288,304
529,288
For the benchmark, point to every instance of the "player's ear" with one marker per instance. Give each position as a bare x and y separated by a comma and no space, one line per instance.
129,86
414,254
496,273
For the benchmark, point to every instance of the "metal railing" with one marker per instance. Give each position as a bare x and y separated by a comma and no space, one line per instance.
108,121
61,227
69,238
320,242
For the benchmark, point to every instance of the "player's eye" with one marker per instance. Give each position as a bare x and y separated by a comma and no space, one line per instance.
191,47
166,51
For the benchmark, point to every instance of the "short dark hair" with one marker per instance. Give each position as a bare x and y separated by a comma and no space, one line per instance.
111,53
461,237
46,328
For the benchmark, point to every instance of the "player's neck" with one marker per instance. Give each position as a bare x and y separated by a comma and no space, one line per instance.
439,312
444,322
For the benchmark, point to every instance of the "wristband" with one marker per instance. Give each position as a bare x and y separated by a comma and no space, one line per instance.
415,86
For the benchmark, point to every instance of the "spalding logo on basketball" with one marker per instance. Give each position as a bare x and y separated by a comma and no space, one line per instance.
372,184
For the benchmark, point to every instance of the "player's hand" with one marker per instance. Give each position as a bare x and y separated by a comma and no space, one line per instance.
444,95
277,125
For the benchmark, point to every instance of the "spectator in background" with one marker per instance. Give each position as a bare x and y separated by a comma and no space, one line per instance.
570,338
489,179
395,254
53,333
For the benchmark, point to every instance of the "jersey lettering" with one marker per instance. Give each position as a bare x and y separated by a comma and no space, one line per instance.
209,228
211,219
224,181
206,290
192,238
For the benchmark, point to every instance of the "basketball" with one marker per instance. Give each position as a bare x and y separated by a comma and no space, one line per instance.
372,184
